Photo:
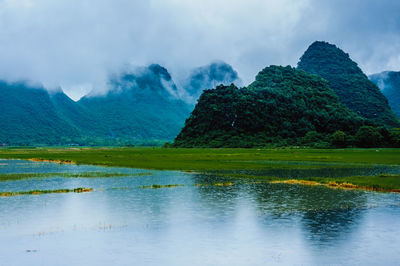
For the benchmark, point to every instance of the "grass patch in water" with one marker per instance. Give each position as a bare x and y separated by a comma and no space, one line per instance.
18,176
156,186
38,192
383,182
220,184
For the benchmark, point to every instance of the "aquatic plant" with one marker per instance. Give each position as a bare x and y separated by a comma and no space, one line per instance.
156,186
17,176
38,192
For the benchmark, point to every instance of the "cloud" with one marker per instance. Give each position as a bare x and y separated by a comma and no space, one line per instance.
76,44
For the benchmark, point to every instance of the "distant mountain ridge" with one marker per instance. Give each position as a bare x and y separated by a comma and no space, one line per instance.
389,83
348,81
143,105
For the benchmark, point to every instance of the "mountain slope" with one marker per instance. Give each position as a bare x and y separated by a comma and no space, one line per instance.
389,83
282,104
28,116
348,81
141,105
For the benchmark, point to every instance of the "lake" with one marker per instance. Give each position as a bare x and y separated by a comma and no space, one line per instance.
205,220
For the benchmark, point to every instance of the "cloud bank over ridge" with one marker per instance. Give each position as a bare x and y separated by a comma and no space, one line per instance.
76,44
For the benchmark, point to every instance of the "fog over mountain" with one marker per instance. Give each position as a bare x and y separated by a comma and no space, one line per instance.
77,44
389,83
209,77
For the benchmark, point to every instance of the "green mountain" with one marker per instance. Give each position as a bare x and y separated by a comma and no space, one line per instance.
143,106
139,106
348,81
389,83
282,106
28,116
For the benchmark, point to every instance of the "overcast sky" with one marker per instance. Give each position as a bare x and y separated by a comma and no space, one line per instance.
75,44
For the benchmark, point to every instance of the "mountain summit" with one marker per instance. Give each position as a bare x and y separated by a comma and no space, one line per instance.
348,81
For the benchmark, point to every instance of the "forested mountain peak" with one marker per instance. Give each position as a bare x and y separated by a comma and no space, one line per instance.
325,58
282,106
348,81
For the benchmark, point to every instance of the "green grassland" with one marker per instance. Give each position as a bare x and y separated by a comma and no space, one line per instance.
225,160
207,159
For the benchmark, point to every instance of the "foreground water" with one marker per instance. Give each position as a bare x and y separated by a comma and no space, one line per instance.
198,223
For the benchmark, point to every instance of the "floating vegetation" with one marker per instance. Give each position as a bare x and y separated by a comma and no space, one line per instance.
225,184
343,185
335,185
52,161
6,177
38,192
297,182
155,186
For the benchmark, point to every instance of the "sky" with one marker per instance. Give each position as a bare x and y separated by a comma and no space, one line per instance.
77,44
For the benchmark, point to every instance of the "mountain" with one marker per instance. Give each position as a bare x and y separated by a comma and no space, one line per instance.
389,83
140,105
28,115
209,77
282,106
348,81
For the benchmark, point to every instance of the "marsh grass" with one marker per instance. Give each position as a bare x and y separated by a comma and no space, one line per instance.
156,186
210,159
38,192
18,176
383,182
232,163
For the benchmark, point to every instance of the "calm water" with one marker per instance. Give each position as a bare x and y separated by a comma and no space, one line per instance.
120,223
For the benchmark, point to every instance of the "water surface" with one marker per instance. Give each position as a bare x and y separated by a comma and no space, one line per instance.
248,223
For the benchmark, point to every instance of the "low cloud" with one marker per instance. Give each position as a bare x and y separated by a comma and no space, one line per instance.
76,44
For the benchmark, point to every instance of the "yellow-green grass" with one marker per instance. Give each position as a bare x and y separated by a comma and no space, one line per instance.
17,176
386,183
38,192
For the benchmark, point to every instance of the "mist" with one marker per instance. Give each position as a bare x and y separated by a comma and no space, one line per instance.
77,45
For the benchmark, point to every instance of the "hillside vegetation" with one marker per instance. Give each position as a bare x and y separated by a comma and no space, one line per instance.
284,106
348,81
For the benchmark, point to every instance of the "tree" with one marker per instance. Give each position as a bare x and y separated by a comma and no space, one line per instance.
339,139
368,136
395,137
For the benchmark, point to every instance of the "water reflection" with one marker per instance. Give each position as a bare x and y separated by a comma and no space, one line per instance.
247,223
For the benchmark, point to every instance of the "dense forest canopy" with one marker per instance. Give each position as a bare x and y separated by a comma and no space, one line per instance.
348,81
282,106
